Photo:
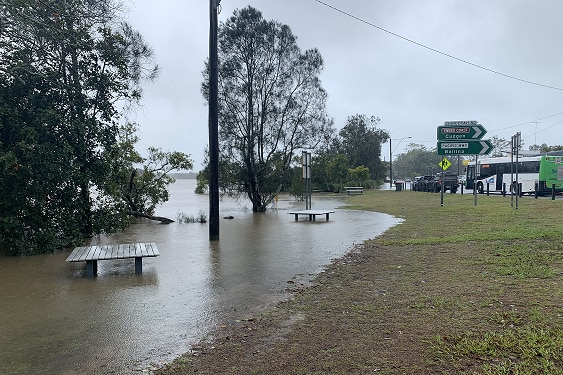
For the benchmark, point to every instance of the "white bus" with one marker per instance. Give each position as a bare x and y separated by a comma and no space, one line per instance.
535,173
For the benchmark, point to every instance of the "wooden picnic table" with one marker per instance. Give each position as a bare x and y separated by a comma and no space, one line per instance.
312,214
91,255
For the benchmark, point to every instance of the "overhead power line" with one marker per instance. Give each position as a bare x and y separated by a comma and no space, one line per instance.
435,50
530,122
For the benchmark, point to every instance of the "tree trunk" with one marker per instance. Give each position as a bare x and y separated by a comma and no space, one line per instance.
163,220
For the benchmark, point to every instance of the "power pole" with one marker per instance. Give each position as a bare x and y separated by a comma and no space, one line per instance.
213,124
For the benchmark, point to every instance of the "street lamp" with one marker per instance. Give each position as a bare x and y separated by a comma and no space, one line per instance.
391,160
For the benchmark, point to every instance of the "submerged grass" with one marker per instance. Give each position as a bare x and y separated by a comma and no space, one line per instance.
183,218
454,289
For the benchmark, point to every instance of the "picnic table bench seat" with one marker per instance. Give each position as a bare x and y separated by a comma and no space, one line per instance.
312,214
354,189
91,255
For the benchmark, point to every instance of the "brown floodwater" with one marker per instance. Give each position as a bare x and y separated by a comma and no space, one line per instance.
54,320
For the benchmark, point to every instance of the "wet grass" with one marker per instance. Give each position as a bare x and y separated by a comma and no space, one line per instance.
454,289
520,245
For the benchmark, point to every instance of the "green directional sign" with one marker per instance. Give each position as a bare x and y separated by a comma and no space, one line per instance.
452,131
469,147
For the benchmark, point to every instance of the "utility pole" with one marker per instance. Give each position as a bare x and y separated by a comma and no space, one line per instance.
213,124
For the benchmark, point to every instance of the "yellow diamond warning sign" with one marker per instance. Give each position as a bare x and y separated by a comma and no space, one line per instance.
444,164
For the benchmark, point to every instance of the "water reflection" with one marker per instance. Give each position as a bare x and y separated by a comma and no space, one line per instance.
54,320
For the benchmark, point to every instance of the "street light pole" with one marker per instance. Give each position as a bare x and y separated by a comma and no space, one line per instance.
391,160
390,165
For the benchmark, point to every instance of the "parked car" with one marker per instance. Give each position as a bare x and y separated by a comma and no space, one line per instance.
422,183
448,179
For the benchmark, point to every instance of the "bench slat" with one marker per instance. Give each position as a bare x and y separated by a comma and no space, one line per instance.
76,254
118,249
131,250
152,249
100,253
146,249
92,253
139,250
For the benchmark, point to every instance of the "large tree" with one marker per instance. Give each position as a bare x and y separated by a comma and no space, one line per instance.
68,69
361,142
271,104
419,160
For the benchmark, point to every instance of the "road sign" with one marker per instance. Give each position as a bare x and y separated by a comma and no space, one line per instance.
469,147
456,123
458,132
444,164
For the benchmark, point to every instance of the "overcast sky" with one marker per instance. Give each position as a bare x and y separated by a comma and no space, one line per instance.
369,71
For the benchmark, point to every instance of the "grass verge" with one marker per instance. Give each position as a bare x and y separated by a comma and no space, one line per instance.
454,289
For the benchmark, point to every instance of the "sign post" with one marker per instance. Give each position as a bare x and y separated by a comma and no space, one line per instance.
306,163
462,138
444,164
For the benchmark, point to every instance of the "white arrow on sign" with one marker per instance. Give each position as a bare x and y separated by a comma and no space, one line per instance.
478,131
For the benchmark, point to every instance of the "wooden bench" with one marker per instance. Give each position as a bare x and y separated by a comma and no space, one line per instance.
312,214
91,255
354,190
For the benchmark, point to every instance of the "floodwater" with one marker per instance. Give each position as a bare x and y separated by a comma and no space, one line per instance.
54,320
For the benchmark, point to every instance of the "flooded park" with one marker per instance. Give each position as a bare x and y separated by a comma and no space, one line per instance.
55,320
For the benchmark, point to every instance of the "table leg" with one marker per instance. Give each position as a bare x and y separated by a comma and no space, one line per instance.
91,268
138,265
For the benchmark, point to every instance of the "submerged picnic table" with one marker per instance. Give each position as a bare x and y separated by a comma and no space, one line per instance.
91,254
311,213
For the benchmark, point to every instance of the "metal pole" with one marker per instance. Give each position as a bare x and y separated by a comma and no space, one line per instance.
517,184
390,165
213,124
306,163
475,180
442,188
512,172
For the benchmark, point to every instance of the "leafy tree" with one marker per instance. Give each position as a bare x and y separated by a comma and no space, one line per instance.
338,170
271,105
67,70
297,187
136,185
359,175
361,143
418,160
543,148
32,161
